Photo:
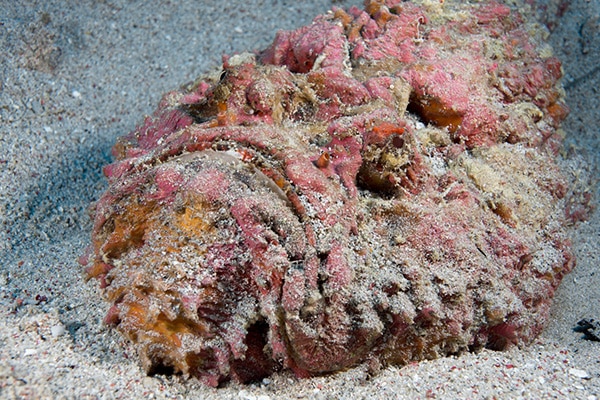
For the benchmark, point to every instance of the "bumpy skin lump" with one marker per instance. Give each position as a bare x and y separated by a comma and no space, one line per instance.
379,185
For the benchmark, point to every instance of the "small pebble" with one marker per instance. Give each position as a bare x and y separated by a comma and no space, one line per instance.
57,330
30,352
245,395
148,382
3,279
579,373
76,94
36,107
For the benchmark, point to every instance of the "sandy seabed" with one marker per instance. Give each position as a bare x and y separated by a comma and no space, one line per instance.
76,75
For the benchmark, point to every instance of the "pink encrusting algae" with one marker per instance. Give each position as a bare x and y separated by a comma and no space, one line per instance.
379,186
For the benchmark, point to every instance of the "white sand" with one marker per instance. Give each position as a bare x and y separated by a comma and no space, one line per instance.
76,75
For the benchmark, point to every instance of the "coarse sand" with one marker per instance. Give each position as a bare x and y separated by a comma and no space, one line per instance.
77,75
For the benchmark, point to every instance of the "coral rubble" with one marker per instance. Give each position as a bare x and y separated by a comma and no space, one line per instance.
377,186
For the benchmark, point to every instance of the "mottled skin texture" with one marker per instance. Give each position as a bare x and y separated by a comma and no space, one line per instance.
378,186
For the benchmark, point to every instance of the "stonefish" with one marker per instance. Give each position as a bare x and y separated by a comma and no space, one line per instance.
379,186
